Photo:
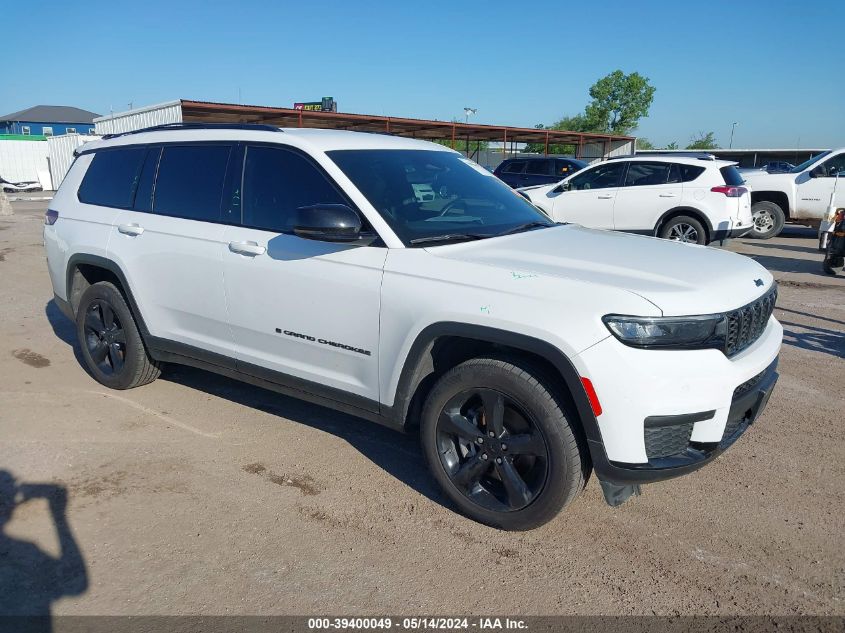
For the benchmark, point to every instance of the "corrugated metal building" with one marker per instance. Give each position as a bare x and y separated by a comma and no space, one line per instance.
60,154
25,161
587,145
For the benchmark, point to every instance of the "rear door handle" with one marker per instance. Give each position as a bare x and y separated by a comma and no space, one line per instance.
668,195
130,229
247,248
605,197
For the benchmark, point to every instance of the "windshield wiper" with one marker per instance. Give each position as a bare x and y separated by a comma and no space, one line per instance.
525,227
449,237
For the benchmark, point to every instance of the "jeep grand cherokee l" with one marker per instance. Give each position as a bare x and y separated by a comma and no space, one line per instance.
527,354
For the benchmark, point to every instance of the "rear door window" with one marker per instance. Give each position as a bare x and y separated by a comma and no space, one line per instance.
190,181
112,176
647,174
276,183
539,167
144,193
564,167
732,176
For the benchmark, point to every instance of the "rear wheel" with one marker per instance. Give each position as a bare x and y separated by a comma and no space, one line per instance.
500,445
769,219
112,347
683,228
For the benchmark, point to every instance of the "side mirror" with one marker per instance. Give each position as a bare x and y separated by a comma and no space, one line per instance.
327,223
564,186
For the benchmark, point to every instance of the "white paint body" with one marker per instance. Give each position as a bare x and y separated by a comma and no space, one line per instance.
808,197
553,284
641,208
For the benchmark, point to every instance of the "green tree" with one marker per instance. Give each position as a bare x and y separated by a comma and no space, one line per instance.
644,143
703,141
672,145
619,102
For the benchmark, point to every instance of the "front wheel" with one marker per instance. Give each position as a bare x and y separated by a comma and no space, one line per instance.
769,219
500,445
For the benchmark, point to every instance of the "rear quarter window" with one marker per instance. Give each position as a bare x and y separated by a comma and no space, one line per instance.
732,176
112,176
687,173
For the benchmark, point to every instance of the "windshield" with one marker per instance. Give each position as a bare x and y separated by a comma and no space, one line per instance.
807,163
426,194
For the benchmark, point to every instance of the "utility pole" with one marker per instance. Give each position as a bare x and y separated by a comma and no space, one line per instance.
731,144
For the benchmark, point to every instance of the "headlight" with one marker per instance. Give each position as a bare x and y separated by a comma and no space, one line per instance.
689,332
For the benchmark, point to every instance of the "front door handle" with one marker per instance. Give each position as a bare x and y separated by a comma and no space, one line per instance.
132,230
605,197
668,195
247,248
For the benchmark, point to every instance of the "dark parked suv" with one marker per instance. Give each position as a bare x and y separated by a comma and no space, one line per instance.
539,170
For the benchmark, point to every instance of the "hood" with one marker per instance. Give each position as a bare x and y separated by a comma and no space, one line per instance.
680,279
760,179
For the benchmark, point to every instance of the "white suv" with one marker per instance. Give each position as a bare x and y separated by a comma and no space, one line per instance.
526,353
686,199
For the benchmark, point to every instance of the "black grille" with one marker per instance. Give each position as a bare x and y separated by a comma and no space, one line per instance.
749,384
746,324
664,441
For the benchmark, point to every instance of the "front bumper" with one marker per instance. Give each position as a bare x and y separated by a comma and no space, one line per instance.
748,402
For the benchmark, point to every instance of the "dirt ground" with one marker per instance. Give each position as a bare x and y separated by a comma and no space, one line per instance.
198,494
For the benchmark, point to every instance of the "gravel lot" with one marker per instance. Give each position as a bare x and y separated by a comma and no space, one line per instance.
198,494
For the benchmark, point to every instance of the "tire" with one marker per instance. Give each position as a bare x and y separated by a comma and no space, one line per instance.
512,488
769,219
112,349
684,228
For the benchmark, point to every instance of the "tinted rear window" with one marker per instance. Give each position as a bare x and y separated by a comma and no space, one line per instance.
190,181
539,167
144,192
685,173
111,176
646,174
732,176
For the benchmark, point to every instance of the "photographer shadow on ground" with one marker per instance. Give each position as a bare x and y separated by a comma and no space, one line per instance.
30,578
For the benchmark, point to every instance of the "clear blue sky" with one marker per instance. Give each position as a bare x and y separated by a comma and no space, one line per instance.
773,66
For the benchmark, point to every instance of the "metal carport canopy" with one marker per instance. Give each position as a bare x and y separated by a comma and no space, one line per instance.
204,111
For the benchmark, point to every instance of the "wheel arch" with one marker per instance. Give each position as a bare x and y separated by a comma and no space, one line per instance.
779,198
688,211
441,346
84,270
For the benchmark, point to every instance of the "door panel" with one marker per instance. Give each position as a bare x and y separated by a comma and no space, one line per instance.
306,308
175,270
590,197
170,245
645,196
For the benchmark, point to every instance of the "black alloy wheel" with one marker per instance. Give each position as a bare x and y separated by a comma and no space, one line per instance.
105,338
492,449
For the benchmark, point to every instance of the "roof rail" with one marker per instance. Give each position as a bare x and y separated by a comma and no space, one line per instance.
197,126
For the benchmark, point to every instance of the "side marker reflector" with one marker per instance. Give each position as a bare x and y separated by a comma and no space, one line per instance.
591,396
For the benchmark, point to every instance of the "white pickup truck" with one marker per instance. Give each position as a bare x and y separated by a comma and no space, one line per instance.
805,193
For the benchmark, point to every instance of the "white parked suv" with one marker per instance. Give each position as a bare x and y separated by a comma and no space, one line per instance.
685,199
526,353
